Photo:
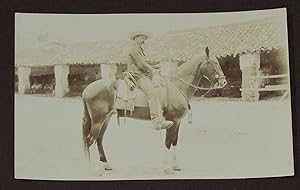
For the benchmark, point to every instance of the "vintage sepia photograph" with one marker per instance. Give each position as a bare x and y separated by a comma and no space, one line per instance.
152,96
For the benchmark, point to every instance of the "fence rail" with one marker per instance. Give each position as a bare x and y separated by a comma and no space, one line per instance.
269,76
281,87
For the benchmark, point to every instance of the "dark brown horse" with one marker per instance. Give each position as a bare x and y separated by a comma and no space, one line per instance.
99,96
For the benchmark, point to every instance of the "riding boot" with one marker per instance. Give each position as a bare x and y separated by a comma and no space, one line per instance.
160,124
156,112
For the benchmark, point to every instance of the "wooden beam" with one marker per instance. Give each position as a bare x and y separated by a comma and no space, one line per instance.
61,80
263,89
24,79
269,76
284,96
108,71
249,64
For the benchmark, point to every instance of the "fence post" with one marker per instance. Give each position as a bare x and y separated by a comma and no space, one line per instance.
61,80
24,79
249,65
108,71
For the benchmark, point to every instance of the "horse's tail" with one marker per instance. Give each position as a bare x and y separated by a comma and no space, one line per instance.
86,127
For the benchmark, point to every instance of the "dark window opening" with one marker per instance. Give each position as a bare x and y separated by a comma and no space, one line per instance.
80,76
44,84
16,83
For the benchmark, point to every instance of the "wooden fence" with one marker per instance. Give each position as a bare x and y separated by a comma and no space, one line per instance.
255,87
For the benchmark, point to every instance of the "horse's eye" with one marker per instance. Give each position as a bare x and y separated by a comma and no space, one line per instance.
217,76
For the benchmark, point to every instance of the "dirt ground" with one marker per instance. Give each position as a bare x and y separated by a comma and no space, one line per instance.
228,139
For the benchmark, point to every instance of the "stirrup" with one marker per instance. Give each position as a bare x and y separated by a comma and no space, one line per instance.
89,140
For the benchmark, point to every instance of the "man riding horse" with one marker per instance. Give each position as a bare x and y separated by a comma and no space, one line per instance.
143,73
99,98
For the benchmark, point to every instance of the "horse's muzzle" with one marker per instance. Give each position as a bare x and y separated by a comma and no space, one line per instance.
221,83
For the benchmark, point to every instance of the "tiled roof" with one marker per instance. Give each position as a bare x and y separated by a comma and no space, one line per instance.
110,52
224,40
38,56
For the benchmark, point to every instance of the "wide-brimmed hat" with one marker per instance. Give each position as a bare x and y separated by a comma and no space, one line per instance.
132,35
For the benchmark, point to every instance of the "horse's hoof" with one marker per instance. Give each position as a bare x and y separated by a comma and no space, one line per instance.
169,171
97,171
176,168
107,166
100,173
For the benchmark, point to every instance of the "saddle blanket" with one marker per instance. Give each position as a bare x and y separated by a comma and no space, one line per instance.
127,99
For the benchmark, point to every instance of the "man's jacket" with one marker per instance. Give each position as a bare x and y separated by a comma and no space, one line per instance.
136,62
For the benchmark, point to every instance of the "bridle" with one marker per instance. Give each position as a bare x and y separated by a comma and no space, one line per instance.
197,88
212,83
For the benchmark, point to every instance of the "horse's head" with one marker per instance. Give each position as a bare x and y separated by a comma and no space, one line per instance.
210,69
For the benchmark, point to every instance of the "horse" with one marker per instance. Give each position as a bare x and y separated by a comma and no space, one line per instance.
99,98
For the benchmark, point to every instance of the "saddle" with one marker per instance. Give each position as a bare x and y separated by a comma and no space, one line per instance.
129,95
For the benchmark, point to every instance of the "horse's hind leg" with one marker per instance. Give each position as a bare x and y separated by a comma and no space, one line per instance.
86,127
99,140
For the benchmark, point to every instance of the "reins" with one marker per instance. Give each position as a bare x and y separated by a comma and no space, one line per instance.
195,87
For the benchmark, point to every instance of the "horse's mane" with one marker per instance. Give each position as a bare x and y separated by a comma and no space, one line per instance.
189,67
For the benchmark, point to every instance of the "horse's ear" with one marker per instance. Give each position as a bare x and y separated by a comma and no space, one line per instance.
207,52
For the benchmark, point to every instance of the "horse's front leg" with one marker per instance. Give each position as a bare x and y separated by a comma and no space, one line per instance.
171,142
175,166
171,164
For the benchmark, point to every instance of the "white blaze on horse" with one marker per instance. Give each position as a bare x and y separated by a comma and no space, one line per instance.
100,96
